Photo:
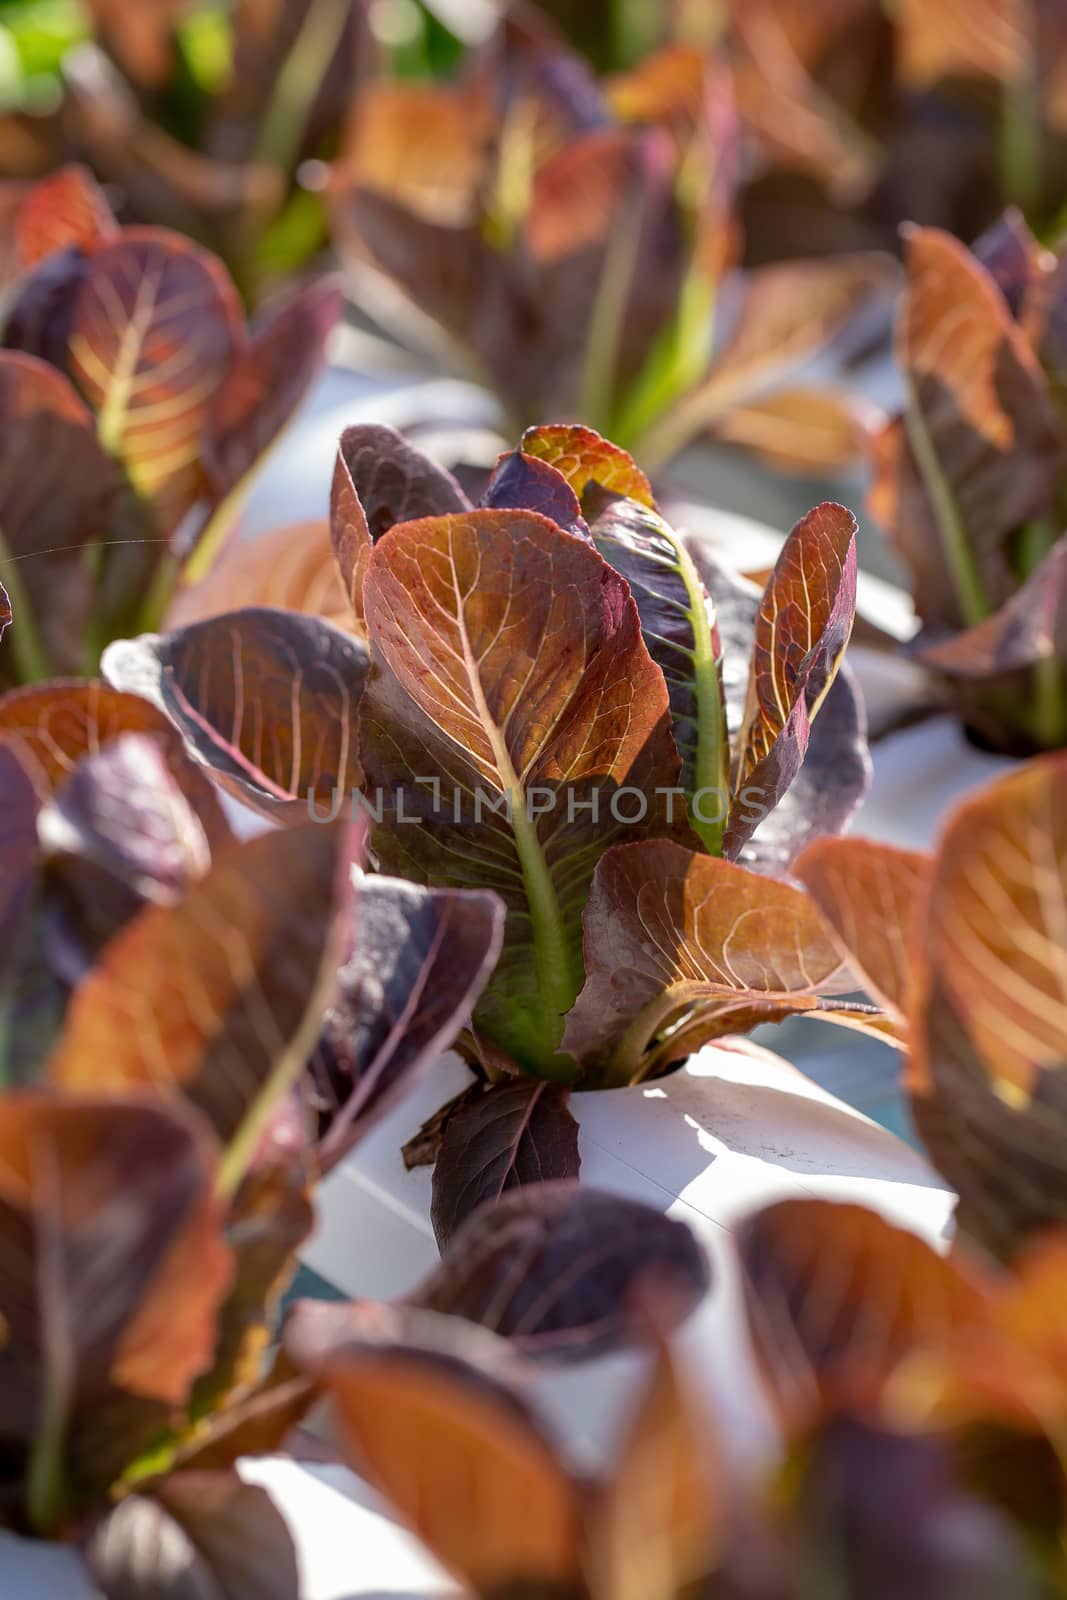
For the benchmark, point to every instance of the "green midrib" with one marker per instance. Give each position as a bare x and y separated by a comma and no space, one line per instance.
712,754
558,967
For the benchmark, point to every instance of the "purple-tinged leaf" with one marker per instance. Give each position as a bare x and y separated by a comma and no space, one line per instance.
419,960
517,1133
682,948
114,1268
802,627
54,726
679,627
122,810
980,430
902,1519
266,699
1013,258
1030,627
266,383
157,324
219,999
18,844
57,492
829,788
522,482
380,480
194,1536
40,320
561,1270
5,611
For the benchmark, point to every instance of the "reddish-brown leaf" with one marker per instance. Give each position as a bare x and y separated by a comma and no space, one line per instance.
267,381
157,323
870,894
57,495
266,698
981,429
219,999
673,935
803,625
380,480
838,1300
460,1460
66,211
989,1041
52,726
585,459
114,1270
509,661
516,1133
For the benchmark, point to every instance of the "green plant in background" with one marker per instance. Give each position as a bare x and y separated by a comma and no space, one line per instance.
971,480
202,115
35,36
135,404
570,241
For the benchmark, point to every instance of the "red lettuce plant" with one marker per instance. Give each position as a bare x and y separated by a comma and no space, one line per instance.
562,702
202,116
573,241
135,403
971,479
919,1397
161,988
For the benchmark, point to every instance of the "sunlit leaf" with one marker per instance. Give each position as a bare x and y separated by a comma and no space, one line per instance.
467,617
54,725
66,211
585,459
560,1269
218,1000
265,698
980,427
456,1455
838,1299
156,327
870,893
802,627
514,1134
682,948
989,1043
